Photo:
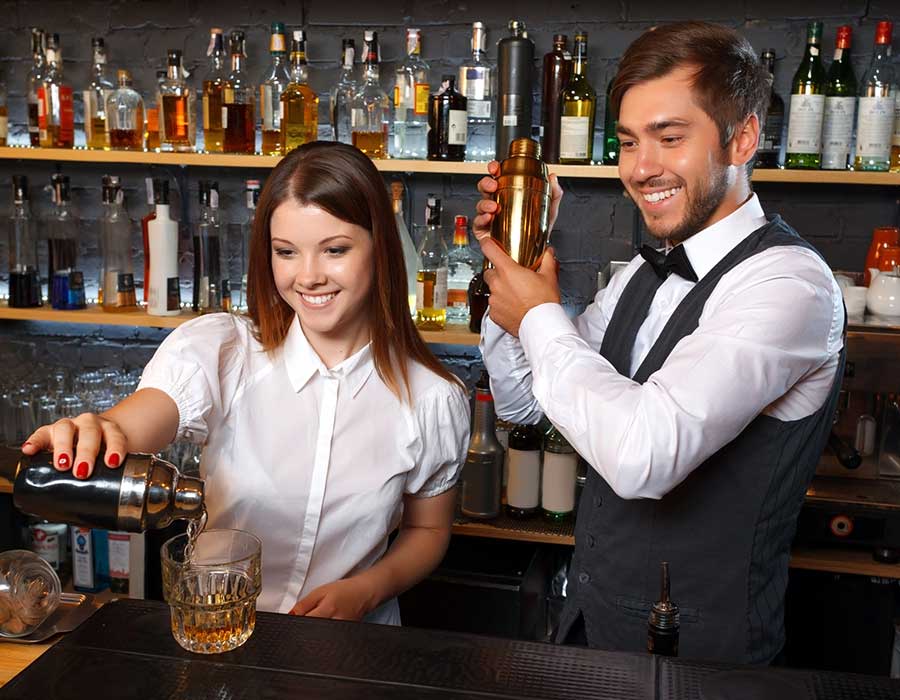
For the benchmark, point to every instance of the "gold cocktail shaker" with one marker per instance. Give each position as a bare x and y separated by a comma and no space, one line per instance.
522,226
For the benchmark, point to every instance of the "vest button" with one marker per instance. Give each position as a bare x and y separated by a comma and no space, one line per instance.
598,501
590,541
584,577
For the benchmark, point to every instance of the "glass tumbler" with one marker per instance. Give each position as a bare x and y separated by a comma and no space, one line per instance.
29,592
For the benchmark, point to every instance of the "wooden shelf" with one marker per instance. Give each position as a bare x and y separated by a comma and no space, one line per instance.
228,160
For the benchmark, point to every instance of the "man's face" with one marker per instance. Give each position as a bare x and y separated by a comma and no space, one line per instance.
670,160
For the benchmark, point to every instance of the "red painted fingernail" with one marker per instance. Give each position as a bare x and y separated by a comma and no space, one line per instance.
114,459
63,461
81,470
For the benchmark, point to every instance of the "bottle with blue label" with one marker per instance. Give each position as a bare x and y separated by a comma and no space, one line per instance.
90,560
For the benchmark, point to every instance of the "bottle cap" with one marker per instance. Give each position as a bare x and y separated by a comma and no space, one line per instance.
433,210
479,36
20,188
124,77
844,36
174,57
160,190
60,184
236,42
460,220
883,32
814,33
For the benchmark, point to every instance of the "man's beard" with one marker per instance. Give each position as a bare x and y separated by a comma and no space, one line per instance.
700,208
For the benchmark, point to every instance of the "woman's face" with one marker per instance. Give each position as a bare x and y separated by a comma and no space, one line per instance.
323,270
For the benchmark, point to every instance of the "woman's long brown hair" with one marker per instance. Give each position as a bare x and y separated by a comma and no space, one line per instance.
342,181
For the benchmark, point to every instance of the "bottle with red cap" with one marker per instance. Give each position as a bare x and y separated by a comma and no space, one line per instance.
463,267
840,105
875,114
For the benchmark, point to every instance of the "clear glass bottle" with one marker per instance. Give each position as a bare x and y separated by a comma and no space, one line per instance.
807,110
4,119
768,153
56,109
125,115
371,112
558,477
477,84
299,102
117,266
251,194
482,472
411,91
875,119
410,254
24,278
213,84
579,109
154,192
447,123
431,279
462,268
557,67
238,102
209,260
35,80
95,96
271,86
341,97
523,488
176,108
840,105
62,242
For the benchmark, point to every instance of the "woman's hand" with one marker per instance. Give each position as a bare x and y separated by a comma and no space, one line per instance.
75,443
487,208
347,599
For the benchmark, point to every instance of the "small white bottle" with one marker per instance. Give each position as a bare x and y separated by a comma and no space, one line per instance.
165,287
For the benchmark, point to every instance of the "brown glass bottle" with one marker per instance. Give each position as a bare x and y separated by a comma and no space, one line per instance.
557,67
447,125
238,103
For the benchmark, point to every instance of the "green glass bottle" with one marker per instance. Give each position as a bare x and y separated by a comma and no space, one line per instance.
610,140
807,108
768,154
579,108
840,105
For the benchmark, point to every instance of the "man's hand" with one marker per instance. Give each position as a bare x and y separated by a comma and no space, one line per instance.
347,599
515,290
487,207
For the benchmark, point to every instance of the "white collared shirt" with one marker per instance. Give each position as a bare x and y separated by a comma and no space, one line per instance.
314,462
768,342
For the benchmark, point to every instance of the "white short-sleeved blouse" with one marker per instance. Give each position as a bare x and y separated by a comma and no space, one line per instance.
313,461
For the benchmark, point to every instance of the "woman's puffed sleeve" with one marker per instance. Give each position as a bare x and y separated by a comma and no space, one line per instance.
441,417
199,366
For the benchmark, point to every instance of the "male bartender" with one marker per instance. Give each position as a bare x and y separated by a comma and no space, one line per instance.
700,385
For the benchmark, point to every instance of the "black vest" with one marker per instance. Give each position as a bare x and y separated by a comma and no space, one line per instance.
726,530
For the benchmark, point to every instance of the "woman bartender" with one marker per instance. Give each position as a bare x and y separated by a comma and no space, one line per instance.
326,421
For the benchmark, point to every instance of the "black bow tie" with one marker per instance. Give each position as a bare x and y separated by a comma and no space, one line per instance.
676,261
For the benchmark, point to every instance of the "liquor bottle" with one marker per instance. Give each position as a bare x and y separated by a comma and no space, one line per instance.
875,121
274,82
515,59
299,103
117,266
481,475
895,140
461,270
840,105
90,560
35,80
447,127
4,119
95,97
431,279
476,83
768,152
342,95
523,490
62,243
24,278
807,108
557,66
213,84
151,131
558,477
411,91
371,111
238,102
251,194
176,108
154,186
125,115
56,115
164,298
208,253
610,140
579,108
119,544
502,429
410,254
664,622
479,297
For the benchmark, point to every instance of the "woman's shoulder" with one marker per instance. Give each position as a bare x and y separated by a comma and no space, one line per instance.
217,328
428,387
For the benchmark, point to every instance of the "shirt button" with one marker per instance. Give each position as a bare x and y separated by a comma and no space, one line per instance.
584,577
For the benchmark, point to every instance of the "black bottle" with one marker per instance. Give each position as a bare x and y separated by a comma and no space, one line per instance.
479,296
523,487
515,61
664,622
557,66
482,473
447,122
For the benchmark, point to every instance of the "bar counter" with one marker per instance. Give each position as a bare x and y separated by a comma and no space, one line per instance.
126,650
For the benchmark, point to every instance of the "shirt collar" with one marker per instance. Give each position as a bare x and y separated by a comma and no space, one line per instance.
707,247
302,362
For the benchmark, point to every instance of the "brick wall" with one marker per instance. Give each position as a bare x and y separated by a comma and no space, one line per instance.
596,223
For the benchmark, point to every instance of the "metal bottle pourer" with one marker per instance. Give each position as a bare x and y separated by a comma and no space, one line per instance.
664,623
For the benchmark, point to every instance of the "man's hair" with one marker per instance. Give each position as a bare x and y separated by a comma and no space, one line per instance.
730,82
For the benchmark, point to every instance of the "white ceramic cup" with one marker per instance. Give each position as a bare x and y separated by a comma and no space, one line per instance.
855,300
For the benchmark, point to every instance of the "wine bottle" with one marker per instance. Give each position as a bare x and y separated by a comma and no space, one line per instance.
769,151
579,107
557,67
840,105
875,119
807,106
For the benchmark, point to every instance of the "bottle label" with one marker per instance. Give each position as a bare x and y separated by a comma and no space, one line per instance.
558,482
874,127
805,124
3,126
119,554
837,130
421,100
476,84
173,294
574,135
896,138
398,95
48,541
66,116
479,109
271,118
523,488
510,120
456,127
458,298
224,117
153,119
770,138
431,290
82,558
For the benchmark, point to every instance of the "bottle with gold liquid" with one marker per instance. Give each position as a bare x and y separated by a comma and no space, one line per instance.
213,84
271,87
56,113
95,99
299,103
410,254
176,108
579,107
371,112
238,102
151,116
125,116
431,279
